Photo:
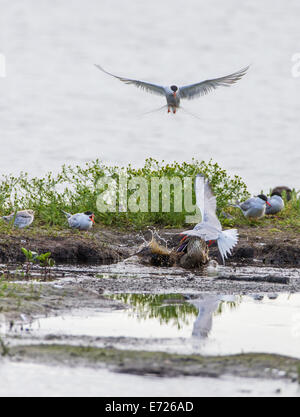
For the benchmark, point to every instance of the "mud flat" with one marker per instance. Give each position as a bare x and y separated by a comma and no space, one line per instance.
23,341
109,314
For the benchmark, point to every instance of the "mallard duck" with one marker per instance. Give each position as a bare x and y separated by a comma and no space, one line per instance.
282,188
193,254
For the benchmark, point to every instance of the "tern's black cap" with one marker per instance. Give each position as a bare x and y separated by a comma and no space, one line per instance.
174,88
88,213
263,197
276,193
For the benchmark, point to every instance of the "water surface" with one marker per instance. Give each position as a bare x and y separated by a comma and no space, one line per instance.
208,325
56,107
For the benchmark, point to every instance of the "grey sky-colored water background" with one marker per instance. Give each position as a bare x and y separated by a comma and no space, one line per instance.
56,107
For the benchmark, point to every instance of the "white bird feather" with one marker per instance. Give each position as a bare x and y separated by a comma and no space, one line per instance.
210,228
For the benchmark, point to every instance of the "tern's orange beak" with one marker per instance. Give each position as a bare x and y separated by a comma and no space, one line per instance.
93,218
270,205
174,94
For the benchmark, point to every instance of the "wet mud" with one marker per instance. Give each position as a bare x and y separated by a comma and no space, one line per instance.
160,363
106,246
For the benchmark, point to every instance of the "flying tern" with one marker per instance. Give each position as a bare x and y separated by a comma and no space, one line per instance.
174,94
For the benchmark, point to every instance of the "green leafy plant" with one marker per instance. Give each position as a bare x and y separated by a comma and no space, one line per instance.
43,260
46,263
30,260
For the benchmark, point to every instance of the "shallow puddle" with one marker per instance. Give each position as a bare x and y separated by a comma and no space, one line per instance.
210,324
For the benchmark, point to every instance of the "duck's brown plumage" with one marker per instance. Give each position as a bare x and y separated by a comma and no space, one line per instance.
194,255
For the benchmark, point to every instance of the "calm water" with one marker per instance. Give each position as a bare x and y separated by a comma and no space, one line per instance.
56,107
209,325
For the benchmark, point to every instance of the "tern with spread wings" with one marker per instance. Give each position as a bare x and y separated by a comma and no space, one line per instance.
210,228
174,94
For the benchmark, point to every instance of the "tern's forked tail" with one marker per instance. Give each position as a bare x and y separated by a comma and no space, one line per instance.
155,110
227,241
67,214
168,110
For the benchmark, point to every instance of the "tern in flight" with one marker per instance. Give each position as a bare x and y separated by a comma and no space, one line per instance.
174,94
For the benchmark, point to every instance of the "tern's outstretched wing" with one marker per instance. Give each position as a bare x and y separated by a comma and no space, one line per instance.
149,87
200,89
207,203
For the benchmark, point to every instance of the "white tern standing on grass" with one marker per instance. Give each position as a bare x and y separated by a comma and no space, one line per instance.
173,94
81,221
255,207
276,202
210,228
22,218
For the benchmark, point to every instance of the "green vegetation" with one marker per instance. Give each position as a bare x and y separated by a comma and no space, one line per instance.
43,260
18,291
76,190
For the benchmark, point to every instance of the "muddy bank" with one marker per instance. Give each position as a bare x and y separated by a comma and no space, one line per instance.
159,363
166,280
266,245
68,248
